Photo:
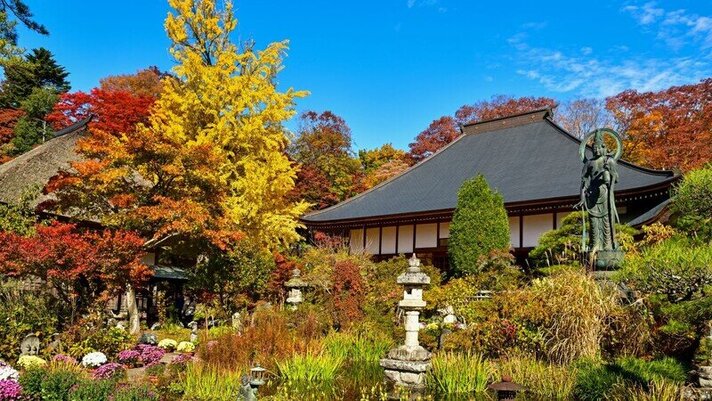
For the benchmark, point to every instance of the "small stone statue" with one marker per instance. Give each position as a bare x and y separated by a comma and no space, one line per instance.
247,391
193,331
598,181
30,345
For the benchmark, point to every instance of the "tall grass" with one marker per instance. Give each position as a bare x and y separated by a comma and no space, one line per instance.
311,368
457,373
658,390
357,347
203,383
554,382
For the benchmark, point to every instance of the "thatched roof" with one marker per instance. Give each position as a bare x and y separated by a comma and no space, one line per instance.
30,172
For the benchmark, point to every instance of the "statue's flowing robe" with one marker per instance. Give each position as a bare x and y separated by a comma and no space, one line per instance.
599,177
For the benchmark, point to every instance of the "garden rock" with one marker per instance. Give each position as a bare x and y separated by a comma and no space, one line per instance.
148,338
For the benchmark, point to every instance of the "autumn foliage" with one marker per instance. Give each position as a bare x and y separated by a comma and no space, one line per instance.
348,291
668,129
80,265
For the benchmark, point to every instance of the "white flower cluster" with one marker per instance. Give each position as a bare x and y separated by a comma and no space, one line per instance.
93,360
8,373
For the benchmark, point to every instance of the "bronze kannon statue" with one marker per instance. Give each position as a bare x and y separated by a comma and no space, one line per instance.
598,181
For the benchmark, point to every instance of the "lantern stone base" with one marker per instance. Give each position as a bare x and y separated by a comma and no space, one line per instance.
406,373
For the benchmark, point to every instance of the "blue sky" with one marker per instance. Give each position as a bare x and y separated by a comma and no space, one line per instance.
391,67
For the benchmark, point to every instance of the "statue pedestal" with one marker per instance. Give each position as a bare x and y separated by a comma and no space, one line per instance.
608,260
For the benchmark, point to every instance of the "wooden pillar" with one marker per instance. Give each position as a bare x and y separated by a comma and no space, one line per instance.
521,231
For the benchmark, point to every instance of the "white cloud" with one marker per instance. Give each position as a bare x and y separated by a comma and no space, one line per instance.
615,69
425,3
601,77
677,28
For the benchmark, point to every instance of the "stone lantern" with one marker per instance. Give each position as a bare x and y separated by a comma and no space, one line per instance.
506,390
294,289
407,364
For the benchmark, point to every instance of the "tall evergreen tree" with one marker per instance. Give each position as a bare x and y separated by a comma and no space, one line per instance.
479,226
38,69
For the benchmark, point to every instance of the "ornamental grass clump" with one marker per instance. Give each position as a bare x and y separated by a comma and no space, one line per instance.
459,373
311,368
551,382
205,383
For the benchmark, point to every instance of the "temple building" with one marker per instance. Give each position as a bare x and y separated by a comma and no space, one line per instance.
527,158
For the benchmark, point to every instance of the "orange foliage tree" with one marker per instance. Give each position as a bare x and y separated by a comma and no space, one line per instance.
669,129
146,82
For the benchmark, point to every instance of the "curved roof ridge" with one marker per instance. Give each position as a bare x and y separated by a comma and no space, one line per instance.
384,183
668,173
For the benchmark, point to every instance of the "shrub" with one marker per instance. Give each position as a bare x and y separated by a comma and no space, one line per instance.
479,226
311,368
92,390
31,381
671,277
459,373
693,203
348,292
57,384
551,382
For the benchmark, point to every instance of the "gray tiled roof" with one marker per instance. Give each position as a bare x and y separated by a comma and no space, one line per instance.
525,158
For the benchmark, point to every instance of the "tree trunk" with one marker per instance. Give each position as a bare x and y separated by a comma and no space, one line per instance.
132,306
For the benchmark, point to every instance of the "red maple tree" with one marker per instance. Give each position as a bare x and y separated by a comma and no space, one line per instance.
80,265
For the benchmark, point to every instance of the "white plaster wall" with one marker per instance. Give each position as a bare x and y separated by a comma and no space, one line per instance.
372,240
514,231
534,226
445,230
388,244
426,236
560,217
356,240
405,239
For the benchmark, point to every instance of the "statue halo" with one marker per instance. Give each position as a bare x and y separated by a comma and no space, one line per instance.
612,133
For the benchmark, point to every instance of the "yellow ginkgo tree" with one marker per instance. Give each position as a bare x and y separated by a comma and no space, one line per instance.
210,162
